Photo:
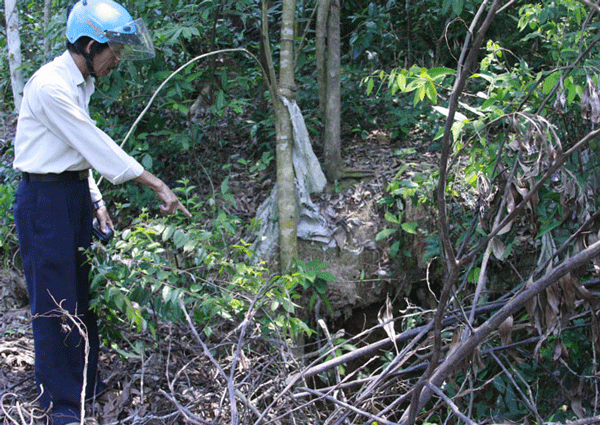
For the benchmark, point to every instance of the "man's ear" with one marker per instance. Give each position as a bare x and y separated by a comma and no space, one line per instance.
88,47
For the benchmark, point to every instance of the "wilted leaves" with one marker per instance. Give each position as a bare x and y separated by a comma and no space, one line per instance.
590,102
551,310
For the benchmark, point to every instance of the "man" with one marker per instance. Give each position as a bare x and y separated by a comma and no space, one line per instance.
56,146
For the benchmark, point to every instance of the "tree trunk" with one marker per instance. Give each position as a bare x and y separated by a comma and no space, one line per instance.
298,171
14,51
288,242
452,266
333,156
321,51
47,42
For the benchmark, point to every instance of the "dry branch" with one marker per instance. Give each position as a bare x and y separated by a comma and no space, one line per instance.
464,350
230,386
438,372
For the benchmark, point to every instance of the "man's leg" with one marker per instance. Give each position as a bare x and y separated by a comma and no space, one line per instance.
54,227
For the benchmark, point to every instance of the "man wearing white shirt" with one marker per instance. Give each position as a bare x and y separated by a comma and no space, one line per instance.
56,146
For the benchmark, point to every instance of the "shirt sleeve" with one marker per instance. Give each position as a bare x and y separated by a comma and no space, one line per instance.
72,125
94,191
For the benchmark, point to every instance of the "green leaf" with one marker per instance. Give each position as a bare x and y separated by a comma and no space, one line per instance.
321,286
410,227
274,305
306,283
431,91
401,81
415,84
313,299
457,6
385,233
190,245
180,238
457,127
394,249
440,71
446,4
225,186
166,293
550,82
370,85
420,94
168,233
312,264
326,276
147,161
392,218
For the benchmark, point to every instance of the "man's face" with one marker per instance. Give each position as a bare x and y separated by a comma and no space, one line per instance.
105,62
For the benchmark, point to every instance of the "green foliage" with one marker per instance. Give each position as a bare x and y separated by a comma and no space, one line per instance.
141,278
261,165
551,30
422,81
373,30
154,265
8,236
520,108
409,185
314,281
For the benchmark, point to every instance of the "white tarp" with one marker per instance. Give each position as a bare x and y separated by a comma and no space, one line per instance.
309,179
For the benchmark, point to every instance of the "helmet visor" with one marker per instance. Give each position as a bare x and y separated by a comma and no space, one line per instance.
131,41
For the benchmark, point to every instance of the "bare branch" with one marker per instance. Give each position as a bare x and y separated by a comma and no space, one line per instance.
464,350
450,404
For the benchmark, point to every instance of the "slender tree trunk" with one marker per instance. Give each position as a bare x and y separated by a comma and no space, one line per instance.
288,242
47,45
14,51
333,156
321,51
452,267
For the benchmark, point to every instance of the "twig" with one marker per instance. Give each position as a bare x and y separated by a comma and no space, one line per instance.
467,347
451,265
331,346
184,411
530,404
6,414
595,420
450,404
78,323
247,402
590,4
347,406
394,364
242,327
20,408
231,390
568,243
488,250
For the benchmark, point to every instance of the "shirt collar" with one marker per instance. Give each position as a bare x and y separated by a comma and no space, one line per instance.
76,75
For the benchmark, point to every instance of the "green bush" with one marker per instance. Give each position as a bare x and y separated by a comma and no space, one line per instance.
156,265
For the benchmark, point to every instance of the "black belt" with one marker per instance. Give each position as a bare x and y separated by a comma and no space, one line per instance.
54,177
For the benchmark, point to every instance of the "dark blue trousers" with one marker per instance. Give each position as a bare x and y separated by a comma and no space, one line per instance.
54,226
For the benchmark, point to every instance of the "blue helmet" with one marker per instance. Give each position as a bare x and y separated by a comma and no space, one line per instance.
106,21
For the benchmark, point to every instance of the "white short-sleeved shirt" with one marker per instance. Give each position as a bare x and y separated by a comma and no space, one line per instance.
55,132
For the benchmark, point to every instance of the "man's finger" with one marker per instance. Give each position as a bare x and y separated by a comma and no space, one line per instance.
184,210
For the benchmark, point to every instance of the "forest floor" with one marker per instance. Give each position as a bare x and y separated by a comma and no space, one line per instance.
173,381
